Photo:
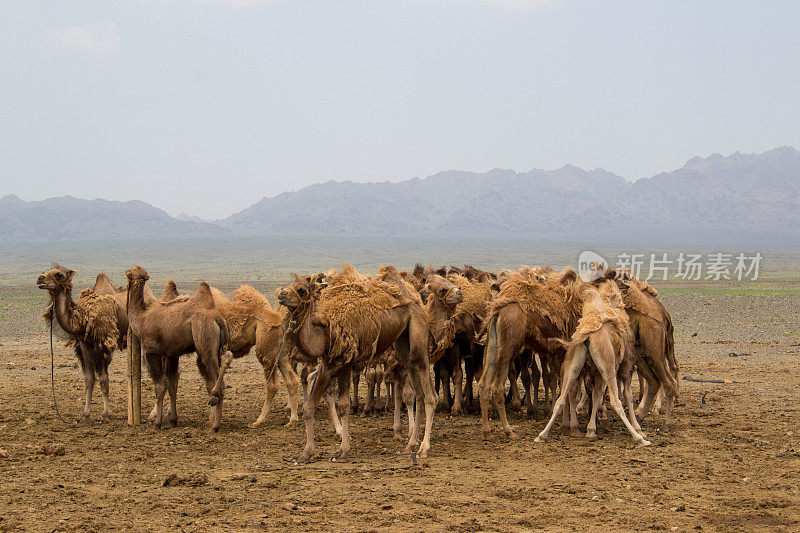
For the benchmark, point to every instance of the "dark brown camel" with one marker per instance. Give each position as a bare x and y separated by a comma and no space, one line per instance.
167,331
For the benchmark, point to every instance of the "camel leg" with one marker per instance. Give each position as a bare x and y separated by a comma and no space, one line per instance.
602,356
513,387
210,376
598,390
415,346
371,376
574,363
355,406
525,375
397,426
378,384
499,397
319,388
102,377
413,423
304,381
488,377
87,363
444,378
292,383
344,409
272,389
172,375
458,378
388,401
574,427
156,368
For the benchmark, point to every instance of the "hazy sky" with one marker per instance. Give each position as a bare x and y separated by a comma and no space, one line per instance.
205,106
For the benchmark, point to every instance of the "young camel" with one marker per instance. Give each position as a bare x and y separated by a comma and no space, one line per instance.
351,323
655,348
453,331
603,336
167,331
92,326
252,322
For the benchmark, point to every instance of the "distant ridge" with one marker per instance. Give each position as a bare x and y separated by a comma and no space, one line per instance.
752,196
737,195
67,218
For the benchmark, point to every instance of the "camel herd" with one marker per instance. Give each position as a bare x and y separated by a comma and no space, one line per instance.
583,339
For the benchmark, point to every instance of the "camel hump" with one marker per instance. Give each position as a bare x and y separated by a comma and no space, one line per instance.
248,296
100,312
219,296
204,296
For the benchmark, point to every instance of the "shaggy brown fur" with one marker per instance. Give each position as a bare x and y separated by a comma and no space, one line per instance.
350,323
526,313
169,330
92,327
603,337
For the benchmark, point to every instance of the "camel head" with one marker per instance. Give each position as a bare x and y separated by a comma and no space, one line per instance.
301,291
444,290
137,274
57,279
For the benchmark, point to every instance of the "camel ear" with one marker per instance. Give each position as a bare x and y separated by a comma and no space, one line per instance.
70,273
295,277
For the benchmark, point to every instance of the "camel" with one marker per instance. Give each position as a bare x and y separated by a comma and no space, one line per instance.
604,337
92,326
167,331
350,323
655,353
531,308
252,322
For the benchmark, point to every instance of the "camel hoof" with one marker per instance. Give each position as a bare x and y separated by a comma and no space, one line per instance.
291,423
515,406
340,458
591,436
398,436
539,439
487,436
512,436
156,426
257,424
213,401
422,454
106,417
644,443
456,411
577,433
533,414
173,422
304,457
663,429
83,419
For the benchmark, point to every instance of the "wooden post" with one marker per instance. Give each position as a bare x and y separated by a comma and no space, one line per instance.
134,380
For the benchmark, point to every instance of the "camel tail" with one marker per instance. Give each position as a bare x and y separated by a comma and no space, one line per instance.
669,348
225,361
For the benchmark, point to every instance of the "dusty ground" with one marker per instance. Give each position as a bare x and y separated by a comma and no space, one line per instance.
732,463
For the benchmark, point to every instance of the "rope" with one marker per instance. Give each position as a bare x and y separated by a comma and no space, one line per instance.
53,366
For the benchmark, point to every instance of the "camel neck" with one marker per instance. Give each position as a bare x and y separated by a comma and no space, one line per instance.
307,335
64,310
135,297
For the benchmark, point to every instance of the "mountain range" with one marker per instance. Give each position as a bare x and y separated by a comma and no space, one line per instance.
753,196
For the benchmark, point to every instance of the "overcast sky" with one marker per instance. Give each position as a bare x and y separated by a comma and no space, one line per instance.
205,106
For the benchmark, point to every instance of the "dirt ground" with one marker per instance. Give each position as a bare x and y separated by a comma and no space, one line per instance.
732,461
